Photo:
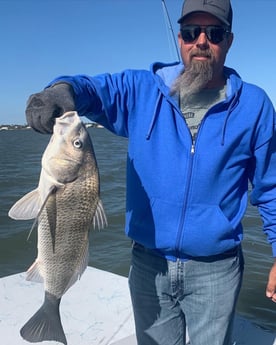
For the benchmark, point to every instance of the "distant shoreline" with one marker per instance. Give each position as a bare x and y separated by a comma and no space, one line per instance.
13,127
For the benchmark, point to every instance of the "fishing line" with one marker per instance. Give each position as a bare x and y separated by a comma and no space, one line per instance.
170,28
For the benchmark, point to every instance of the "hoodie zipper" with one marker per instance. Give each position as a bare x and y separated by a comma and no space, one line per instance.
189,177
186,195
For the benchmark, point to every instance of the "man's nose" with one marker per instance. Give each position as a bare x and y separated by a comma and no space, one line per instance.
202,40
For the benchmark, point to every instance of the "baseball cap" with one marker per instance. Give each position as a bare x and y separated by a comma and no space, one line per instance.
219,8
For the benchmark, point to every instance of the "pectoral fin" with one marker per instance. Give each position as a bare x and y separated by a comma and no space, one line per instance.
27,207
30,205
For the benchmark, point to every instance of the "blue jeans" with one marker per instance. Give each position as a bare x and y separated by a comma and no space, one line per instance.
169,296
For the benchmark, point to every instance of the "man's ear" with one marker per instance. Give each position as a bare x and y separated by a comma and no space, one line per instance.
230,40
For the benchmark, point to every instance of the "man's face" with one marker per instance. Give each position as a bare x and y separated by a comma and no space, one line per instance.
201,51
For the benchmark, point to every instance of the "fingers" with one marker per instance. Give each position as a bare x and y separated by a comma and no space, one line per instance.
44,107
271,285
41,112
271,293
36,117
35,114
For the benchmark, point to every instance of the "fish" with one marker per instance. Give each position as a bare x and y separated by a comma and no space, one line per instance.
65,205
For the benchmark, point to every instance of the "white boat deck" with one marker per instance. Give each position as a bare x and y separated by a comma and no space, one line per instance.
95,311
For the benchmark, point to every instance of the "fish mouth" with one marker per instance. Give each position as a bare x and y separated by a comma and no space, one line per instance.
66,121
68,117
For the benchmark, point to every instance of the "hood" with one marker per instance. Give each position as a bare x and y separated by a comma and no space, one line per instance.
168,72
165,74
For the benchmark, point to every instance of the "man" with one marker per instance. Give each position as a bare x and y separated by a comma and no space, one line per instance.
197,134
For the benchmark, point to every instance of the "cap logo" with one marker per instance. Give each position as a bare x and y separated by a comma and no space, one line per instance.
213,3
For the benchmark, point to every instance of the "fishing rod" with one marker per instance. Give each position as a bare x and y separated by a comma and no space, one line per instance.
167,17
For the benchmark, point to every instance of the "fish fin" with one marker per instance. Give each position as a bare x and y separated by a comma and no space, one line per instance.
33,273
99,220
27,207
51,191
45,324
32,228
30,205
51,214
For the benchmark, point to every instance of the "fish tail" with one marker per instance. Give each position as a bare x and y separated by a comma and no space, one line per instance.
45,324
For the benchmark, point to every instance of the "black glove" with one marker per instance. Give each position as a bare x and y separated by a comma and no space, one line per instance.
44,107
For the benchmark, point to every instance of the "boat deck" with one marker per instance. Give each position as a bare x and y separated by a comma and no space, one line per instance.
95,311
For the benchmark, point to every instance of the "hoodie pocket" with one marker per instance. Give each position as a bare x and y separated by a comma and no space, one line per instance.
166,216
207,231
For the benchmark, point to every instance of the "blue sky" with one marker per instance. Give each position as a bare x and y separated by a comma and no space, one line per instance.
44,39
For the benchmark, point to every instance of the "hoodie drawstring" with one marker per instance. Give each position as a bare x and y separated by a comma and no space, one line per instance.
230,109
155,114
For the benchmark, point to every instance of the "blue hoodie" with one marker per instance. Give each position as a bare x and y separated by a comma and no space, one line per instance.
181,201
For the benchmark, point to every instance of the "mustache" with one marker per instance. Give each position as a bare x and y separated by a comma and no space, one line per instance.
201,53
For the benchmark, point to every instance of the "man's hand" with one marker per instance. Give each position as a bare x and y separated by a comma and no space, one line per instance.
271,285
44,107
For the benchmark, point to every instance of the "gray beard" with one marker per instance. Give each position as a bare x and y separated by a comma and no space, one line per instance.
193,79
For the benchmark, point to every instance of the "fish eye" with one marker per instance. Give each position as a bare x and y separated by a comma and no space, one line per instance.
77,143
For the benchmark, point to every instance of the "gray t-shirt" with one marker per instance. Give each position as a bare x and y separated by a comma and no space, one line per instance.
194,107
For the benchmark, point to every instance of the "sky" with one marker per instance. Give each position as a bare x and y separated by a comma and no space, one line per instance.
41,40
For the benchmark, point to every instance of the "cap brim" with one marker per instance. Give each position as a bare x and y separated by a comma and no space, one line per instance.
180,20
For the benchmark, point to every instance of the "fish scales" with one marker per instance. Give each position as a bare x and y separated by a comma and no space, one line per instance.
73,219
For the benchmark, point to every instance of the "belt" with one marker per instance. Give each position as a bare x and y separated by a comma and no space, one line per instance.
216,257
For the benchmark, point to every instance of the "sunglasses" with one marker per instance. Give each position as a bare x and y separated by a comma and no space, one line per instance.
214,33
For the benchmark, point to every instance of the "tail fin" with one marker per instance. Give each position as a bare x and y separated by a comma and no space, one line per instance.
45,324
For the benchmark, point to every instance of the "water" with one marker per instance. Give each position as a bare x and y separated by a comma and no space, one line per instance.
20,156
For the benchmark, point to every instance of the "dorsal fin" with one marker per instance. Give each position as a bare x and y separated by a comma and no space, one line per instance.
99,220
